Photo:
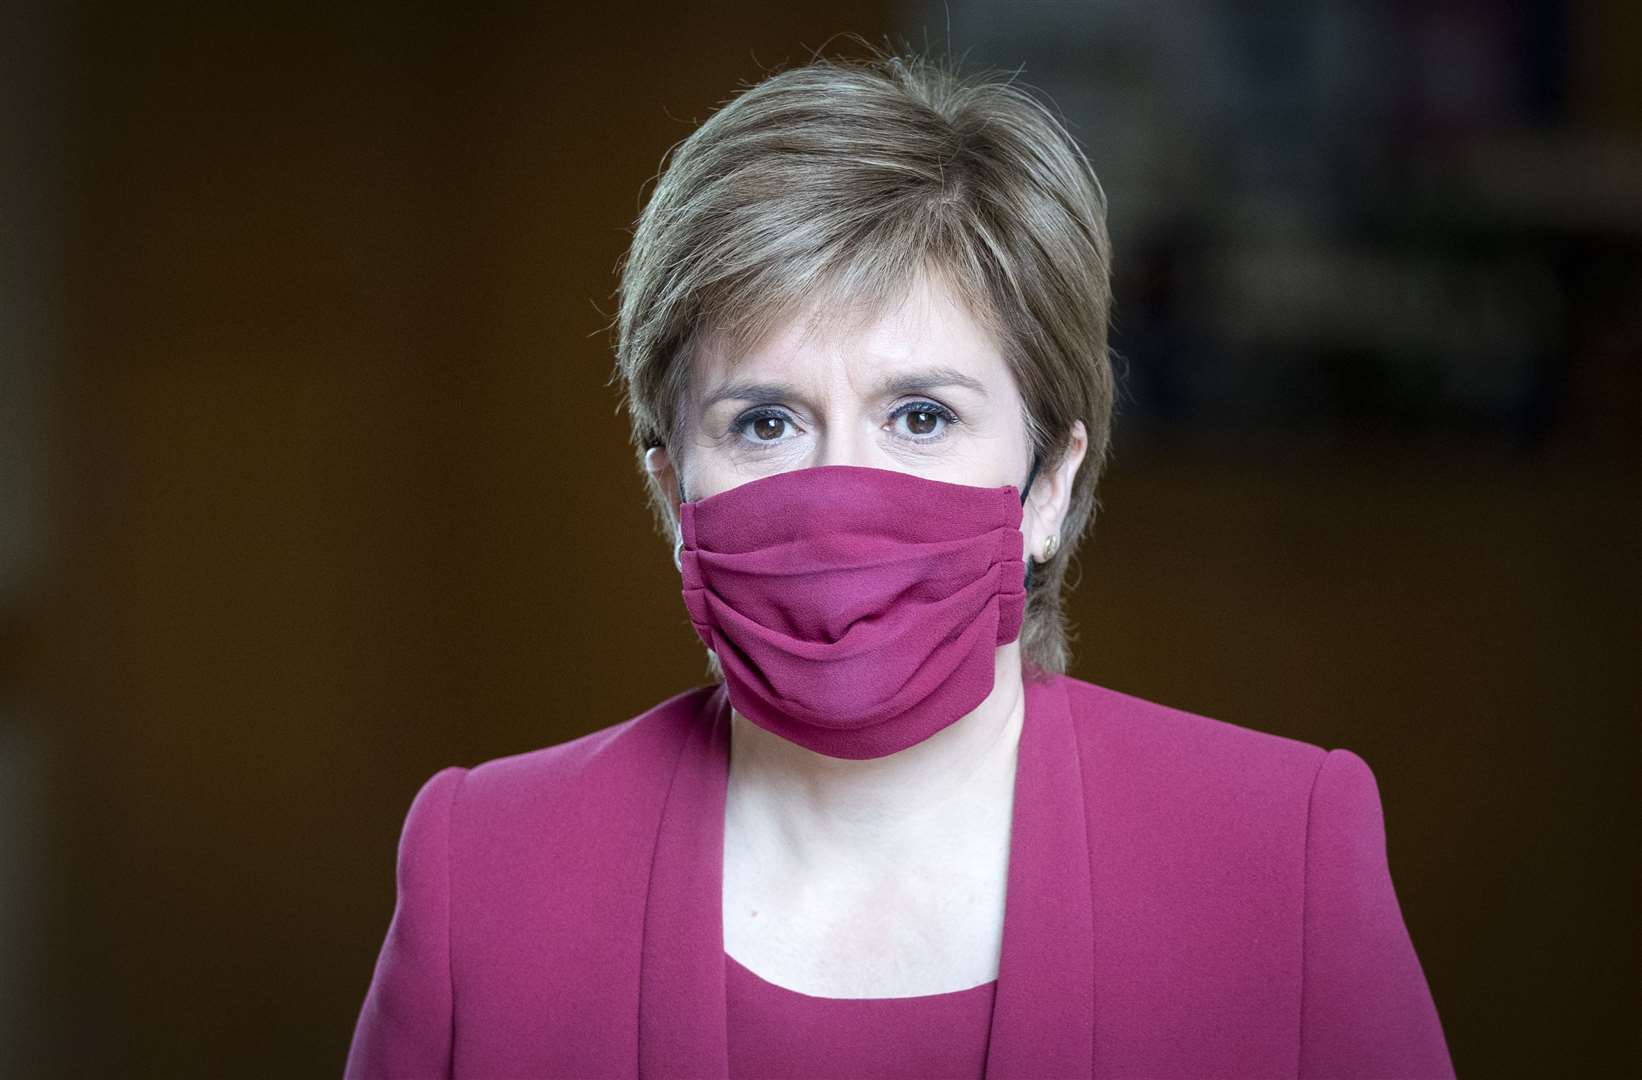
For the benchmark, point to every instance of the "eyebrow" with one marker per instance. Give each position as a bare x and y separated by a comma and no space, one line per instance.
910,382
903,382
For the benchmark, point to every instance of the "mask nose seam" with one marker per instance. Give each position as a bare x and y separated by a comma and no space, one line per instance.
1031,475
678,544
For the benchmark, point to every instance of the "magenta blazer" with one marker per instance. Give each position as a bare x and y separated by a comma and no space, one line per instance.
1186,898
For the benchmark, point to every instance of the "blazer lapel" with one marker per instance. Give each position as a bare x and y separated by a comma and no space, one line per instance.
683,1030
1043,1015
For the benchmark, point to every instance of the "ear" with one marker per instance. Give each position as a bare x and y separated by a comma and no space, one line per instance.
1051,494
660,467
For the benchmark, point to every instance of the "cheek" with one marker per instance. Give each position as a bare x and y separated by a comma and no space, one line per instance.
987,457
716,466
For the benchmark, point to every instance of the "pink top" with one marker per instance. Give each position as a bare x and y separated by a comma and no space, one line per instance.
776,1033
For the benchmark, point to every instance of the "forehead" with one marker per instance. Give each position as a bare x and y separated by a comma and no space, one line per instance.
926,327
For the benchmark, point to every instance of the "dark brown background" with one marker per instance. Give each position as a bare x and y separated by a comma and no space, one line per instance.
328,490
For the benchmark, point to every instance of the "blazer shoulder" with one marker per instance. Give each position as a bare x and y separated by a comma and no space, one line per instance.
1171,730
1173,749
602,764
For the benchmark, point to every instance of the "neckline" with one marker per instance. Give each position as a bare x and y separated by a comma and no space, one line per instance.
718,706
944,997
1043,1009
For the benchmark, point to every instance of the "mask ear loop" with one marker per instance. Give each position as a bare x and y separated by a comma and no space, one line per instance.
678,541
1030,476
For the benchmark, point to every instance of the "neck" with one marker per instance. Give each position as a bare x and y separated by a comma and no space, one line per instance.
805,806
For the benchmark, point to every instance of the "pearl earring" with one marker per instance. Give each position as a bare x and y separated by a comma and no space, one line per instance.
1049,548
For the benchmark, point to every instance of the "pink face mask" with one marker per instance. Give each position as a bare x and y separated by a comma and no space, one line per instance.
855,611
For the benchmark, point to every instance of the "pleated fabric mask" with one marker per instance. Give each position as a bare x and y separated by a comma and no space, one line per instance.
855,611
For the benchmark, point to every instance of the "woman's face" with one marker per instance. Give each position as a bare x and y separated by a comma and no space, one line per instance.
923,390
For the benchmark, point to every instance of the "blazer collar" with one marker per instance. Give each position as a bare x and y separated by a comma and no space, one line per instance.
1044,1008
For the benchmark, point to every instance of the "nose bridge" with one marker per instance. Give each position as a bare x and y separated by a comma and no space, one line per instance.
845,438
846,435
844,446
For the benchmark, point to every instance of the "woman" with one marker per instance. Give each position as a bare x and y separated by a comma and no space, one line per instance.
863,342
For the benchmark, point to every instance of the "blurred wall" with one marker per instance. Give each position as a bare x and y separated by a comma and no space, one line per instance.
345,494
31,216
339,495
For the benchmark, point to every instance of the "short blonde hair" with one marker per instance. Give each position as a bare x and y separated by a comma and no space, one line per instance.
829,187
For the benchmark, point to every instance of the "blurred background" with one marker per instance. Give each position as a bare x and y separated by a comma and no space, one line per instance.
312,481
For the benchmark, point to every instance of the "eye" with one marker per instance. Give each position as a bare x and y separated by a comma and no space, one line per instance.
922,421
764,426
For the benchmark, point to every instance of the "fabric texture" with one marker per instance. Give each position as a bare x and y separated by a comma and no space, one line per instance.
781,1034
1185,898
855,611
